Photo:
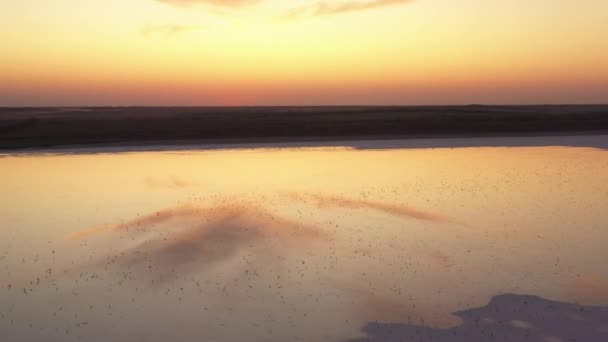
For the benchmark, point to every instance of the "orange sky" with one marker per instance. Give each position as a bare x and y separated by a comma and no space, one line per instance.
304,52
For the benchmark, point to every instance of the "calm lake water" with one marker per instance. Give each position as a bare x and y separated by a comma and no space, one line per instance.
321,243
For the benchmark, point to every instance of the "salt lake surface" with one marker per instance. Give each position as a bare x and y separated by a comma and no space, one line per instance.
382,241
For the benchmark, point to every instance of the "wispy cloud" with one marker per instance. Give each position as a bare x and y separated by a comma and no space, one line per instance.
319,8
168,30
226,3
328,7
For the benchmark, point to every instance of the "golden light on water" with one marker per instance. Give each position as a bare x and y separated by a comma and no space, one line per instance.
307,242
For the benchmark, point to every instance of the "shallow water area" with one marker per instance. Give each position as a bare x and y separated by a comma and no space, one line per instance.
329,242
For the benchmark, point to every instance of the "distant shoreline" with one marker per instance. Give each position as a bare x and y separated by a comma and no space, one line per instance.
572,139
43,128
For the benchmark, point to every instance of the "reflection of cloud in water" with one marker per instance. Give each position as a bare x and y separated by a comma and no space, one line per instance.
440,258
331,201
186,239
171,182
506,318
589,289
189,238
381,306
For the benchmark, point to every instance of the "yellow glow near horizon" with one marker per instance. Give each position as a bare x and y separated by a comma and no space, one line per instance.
70,52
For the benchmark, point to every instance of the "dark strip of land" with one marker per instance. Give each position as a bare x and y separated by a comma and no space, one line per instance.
52,127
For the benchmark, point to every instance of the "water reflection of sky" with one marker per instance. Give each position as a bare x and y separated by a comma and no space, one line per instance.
310,243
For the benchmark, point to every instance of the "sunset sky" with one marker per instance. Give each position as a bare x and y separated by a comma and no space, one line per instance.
302,52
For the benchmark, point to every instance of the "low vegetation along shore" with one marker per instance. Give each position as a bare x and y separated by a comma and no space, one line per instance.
50,127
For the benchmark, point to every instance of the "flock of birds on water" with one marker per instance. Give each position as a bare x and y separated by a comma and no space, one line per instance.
181,253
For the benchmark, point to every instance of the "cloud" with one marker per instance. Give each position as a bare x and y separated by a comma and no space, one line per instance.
225,3
168,30
319,8
327,7
332,201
